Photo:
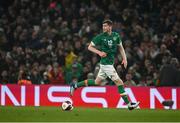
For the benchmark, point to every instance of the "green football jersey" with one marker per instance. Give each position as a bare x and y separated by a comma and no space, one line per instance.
108,44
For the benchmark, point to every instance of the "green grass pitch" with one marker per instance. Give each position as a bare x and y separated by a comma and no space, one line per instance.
55,114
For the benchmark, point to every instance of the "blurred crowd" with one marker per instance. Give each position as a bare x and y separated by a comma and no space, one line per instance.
45,41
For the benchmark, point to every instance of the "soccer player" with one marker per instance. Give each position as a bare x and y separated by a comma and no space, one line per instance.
108,42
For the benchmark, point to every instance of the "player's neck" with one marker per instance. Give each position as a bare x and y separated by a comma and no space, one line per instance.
109,32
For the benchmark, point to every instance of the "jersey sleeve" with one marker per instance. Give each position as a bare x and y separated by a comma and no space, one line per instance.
119,40
96,40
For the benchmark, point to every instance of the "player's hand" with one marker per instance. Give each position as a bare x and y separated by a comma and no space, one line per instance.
102,54
124,63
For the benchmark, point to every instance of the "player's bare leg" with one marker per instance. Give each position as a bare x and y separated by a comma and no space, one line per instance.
98,81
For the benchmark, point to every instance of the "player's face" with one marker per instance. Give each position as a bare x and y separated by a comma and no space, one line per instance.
106,27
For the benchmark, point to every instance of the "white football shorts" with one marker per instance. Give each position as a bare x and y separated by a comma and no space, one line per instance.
108,71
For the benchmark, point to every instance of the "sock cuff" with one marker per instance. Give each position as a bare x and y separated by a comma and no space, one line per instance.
123,94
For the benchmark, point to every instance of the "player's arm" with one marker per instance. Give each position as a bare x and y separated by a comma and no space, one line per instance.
92,48
123,54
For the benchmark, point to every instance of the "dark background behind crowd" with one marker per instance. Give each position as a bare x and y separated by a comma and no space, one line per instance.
45,41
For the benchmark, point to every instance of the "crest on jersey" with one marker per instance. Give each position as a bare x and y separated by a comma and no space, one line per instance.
110,43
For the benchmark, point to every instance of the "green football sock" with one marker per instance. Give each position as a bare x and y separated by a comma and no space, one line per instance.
122,93
88,82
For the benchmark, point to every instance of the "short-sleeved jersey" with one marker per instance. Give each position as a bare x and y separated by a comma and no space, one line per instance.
108,44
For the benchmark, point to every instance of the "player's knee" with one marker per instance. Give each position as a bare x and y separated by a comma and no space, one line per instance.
118,82
98,81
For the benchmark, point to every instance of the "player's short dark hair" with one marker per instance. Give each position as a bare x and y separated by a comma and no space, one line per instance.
109,22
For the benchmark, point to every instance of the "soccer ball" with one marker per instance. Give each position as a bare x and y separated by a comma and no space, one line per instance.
67,106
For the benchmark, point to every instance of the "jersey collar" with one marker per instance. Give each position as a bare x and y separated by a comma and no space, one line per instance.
106,34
